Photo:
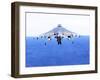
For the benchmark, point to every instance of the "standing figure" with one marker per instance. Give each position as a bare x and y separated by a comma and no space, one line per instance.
59,40
45,44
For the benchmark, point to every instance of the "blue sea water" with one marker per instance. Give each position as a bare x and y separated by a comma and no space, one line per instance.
71,52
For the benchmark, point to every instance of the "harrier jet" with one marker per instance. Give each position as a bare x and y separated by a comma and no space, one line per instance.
59,31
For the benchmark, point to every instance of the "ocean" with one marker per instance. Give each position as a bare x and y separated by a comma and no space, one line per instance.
43,52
